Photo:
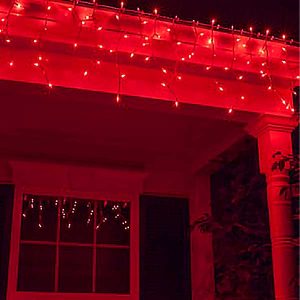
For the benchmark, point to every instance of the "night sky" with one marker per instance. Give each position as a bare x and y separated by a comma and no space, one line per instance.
281,16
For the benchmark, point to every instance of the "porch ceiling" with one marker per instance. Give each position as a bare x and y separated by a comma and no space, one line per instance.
72,125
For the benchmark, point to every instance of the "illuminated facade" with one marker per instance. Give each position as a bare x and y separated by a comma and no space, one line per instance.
107,104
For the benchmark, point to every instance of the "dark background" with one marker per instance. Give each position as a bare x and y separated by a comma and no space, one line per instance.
280,16
164,248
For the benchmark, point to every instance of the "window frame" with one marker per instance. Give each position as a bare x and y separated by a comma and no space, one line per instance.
58,243
28,180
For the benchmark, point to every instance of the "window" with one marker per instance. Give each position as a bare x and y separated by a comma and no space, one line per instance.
74,245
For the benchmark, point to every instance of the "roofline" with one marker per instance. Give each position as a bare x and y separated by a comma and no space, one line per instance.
193,23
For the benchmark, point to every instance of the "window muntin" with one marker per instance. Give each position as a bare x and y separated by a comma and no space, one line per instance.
74,245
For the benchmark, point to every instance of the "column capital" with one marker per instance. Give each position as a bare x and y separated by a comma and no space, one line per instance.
272,123
274,135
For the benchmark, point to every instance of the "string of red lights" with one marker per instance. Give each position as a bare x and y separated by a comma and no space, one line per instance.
169,76
68,208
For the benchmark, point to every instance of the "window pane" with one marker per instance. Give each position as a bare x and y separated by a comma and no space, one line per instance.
36,268
115,229
39,218
77,227
77,221
75,269
113,271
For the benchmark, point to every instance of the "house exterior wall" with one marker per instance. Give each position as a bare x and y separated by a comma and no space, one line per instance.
59,179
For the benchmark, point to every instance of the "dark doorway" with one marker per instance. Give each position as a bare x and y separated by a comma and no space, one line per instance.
6,206
164,249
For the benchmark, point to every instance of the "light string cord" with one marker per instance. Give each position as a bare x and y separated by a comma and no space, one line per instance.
40,59
117,56
6,36
248,45
174,74
196,38
139,42
233,48
269,76
9,12
154,34
212,43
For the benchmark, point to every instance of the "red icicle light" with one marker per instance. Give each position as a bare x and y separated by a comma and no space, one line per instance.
19,6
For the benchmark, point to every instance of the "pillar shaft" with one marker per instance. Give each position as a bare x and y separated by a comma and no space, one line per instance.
281,228
274,134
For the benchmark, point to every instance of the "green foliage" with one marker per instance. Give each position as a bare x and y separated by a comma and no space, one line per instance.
240,227
239,224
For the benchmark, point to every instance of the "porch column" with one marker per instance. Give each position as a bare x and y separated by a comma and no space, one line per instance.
202,266
274,134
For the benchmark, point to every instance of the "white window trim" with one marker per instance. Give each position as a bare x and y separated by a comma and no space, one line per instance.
80,182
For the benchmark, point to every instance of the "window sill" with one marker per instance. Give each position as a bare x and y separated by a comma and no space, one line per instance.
66,296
